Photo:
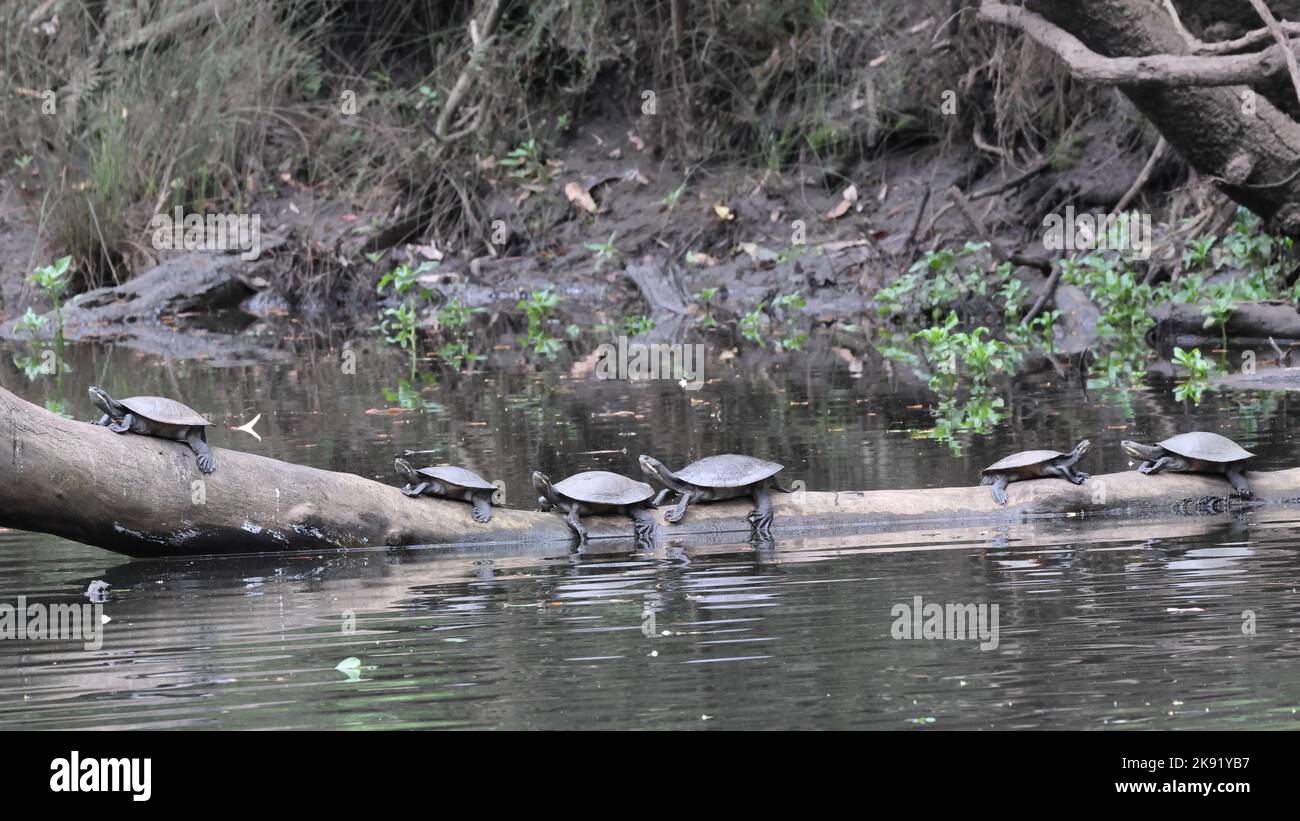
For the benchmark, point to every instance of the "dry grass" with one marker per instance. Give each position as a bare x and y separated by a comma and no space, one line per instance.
217,114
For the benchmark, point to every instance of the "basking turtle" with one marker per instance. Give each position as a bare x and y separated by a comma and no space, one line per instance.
1195,452
450,482
156,416
598,491
718,477
1034,464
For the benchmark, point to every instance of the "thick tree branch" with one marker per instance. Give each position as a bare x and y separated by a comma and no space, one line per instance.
1162,69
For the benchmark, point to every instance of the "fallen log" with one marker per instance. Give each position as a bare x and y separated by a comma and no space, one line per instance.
145,497
1250,324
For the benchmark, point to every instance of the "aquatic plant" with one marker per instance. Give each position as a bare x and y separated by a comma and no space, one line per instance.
454,319
400,324
960,357
538,307
1198,373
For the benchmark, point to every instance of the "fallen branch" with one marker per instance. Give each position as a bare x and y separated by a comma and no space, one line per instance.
144,496
1142,178
481,37
1046,297
163,28
1270,23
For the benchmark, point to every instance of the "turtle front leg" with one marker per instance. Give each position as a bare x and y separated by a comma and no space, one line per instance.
1152,468
416,490
1000,489
207,462
1069,474
1238,482
124,425
104,421
575,523
661,497
482,507
675,515
761,516
644,526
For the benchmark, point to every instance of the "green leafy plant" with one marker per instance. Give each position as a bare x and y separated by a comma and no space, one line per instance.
638,325
1198,373
454,319
604,251
751,326
400,324
785,305
706,297
538,307
526,164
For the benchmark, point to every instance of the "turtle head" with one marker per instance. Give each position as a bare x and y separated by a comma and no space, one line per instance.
100,398
1082,448
543,486
404,469
1139,451
652,467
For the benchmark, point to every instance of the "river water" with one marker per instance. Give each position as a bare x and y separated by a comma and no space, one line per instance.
1186,622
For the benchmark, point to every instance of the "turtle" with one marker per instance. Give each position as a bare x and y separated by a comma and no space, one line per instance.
713,478
450,482
1034,464
156,416
598,491
1194,452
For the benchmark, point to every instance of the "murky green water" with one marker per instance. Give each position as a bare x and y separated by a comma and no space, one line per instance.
1102,623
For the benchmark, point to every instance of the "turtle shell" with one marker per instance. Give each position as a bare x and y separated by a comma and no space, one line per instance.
1024,459
458,476
727,470
162,409
603,487
1208,447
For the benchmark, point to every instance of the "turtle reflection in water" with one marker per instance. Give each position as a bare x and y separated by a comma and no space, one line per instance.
1194,452
1034,464
156,416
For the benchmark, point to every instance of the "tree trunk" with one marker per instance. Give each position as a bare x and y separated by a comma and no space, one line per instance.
1232,134
145,497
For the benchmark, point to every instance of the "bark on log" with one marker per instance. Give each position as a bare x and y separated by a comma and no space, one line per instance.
145,497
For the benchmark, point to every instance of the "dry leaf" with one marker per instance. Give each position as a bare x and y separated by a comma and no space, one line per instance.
696,258
847,197
579,197
723,212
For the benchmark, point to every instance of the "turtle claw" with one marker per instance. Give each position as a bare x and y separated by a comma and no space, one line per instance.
207,464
